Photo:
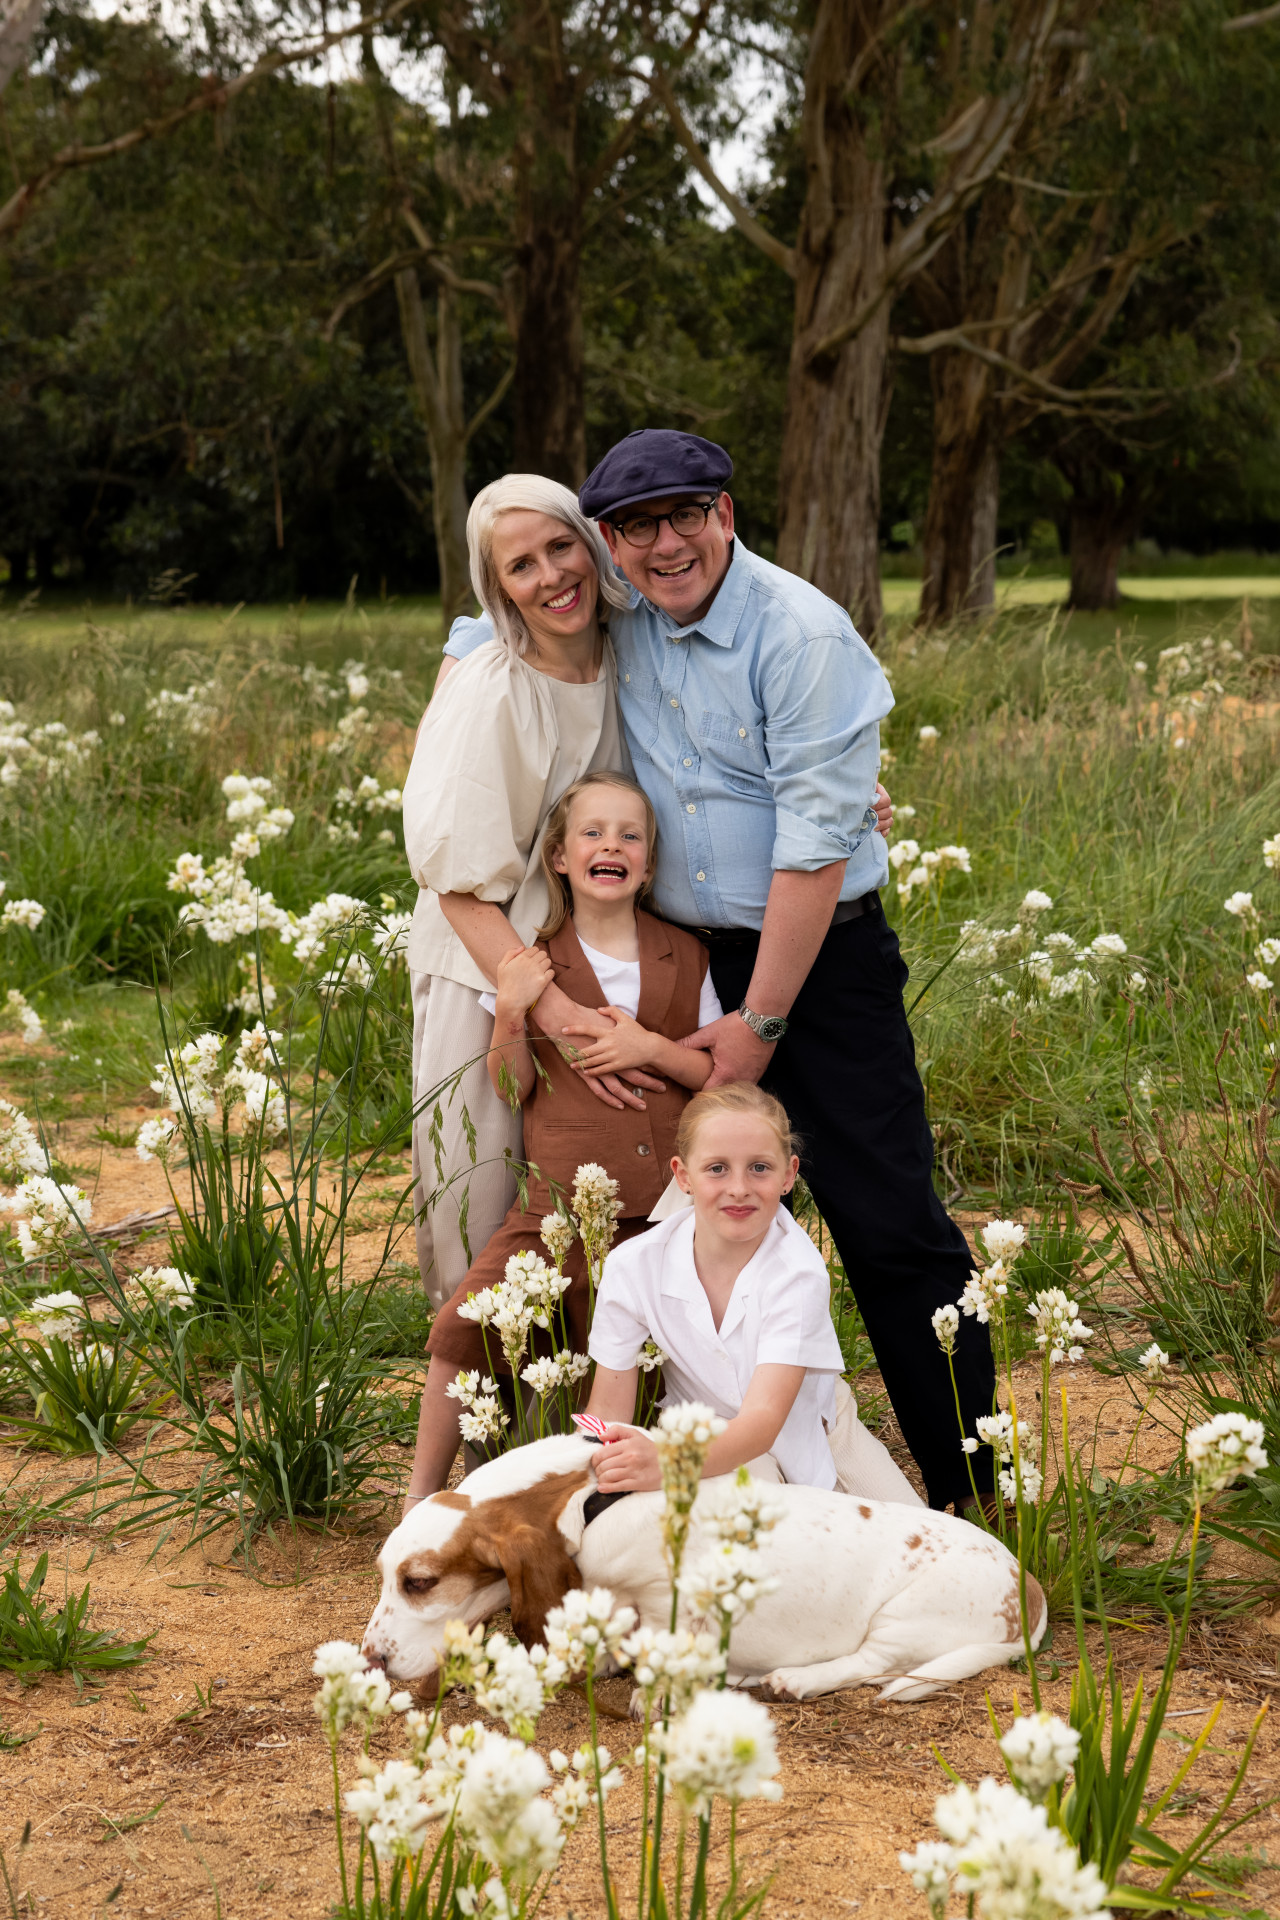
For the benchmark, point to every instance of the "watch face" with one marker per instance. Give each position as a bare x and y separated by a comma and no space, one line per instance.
772,1028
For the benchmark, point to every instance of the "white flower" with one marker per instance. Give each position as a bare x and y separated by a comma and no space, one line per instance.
390,1808
1154,1362
20,1149
1140,666
587,1783
928,735
1063,985
22,913
1041,1750
1003,1240
1109,946
543,1376
904,813
47,1216
167,1286
1241,905
984,1292
749,1509
558,1234
357,684
1260,982
1059,943
953,859
930,1867
517,1683
56,1316
391,936
1268,951
1271,853
1224,1449
904,853
484,1422
1034,902
350,1690
596,1206
682,1436
586,1629
29,1022
153,1141
722,1746
1009,1860
677,1664
727,1582
499,1812
946,1325
1059,1328
650,1357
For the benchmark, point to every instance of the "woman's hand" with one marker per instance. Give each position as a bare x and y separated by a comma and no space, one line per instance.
628,1045
629,1464
524,975
555,1011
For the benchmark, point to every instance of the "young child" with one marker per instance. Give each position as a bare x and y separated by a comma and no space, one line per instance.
737,1297
598,944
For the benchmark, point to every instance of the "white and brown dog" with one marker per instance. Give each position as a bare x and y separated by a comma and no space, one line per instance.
869,1594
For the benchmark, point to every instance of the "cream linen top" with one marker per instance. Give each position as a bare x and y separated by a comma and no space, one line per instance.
499,744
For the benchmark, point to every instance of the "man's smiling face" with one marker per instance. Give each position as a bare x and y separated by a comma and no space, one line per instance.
680,572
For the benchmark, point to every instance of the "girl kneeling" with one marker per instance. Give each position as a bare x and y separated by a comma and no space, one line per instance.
737,1297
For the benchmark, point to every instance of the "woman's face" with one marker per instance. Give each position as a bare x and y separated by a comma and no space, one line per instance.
737,1172
547,572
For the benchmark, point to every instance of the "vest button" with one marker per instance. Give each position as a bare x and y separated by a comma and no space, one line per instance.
643,1149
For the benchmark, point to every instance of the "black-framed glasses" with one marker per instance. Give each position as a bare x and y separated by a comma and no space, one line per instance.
641,529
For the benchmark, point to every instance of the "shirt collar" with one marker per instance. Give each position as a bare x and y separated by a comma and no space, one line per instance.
719,623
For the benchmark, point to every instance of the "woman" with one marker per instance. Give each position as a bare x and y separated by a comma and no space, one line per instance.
516,723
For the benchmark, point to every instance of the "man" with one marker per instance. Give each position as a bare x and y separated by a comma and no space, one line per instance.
752,709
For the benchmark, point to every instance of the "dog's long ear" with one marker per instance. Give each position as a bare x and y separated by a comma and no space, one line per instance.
539,1572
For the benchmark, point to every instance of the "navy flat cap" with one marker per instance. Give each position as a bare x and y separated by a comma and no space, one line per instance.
649,463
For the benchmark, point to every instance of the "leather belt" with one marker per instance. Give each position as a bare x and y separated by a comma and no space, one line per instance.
744,936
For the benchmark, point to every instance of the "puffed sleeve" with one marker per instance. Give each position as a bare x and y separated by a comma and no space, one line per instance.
474,791
619,1328
795,1312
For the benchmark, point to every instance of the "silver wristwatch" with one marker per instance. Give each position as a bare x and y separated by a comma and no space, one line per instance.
768,1027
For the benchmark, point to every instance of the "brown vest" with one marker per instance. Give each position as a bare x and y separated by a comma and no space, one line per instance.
564,1124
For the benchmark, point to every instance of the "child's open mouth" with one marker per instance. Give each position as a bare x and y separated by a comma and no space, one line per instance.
606,870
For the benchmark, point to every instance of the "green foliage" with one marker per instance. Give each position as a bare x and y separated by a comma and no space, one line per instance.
89,1393
37,1638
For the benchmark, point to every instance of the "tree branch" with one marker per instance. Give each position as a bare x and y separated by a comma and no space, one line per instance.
1243,20
212,98
746,222
478,418
1077,399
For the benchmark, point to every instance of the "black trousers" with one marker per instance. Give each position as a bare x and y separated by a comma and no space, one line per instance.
846,1073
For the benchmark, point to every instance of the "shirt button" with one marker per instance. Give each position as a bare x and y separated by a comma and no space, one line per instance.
688,763
627,678
700,876
691,808
674,701
742,733
644,1151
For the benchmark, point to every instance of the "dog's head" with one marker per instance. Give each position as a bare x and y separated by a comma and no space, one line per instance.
462,1556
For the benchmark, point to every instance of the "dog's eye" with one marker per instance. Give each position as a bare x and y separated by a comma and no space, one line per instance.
417,1584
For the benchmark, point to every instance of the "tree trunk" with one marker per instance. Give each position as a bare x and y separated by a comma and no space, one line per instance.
964,491
829,476
550,406
18,22
1099,535
437,386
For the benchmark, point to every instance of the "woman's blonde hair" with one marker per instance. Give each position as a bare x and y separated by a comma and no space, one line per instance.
739,1096
553,839
531,493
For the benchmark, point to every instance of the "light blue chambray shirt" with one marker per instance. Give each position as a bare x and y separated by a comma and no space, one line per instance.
755,733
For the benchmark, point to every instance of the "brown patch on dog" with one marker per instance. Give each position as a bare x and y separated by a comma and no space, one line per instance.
515,1536
864,1510
1011,1609
462,1501
912,1541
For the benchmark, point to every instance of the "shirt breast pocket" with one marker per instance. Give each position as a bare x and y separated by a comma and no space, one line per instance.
640,697
738,742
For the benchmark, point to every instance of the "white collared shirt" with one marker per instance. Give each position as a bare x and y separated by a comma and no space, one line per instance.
779,1314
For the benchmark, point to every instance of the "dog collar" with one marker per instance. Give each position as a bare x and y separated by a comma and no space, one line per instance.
596,1503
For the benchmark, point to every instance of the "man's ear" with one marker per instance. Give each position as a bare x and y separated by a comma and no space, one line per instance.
724,514
537,1568
610,537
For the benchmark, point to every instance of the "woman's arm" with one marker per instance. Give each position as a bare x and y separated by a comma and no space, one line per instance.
630,1463
628,1045
522,976
613,1394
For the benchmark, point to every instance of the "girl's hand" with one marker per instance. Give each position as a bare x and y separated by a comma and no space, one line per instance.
524,975
629,1045
630,1464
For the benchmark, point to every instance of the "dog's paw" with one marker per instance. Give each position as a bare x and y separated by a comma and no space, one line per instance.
787,1683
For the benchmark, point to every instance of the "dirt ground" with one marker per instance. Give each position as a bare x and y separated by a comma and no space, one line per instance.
226,1808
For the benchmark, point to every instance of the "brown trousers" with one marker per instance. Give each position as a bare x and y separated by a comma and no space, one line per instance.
461,1342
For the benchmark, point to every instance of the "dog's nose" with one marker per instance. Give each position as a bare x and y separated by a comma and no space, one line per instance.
374,1661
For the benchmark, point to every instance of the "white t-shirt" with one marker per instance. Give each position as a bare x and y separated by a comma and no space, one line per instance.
779,1314
620,984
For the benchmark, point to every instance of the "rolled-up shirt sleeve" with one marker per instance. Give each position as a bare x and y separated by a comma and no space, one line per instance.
466,634
823,701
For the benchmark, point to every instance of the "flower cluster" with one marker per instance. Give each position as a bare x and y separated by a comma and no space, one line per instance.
21,913
1154,1362
351,1691
224,902
1241,906
722,1746
1040,1750
925,866
189,1080
682,1437
587,1629
1053,966
525,1297
52,751
368,798
391,935
28,1022
336,914
512,1682
1006,1435
165,1287
558,1233
1225,1449
49,1217
483,1418
1003,1855
191,712
673,1664
1059,1329
585,1778
563,1369
596,1206
57,1316
20,1149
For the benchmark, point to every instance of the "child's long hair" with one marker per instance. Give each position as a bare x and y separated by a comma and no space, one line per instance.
738,1096
553,839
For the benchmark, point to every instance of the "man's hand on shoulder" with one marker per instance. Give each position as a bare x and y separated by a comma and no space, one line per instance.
737,1052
